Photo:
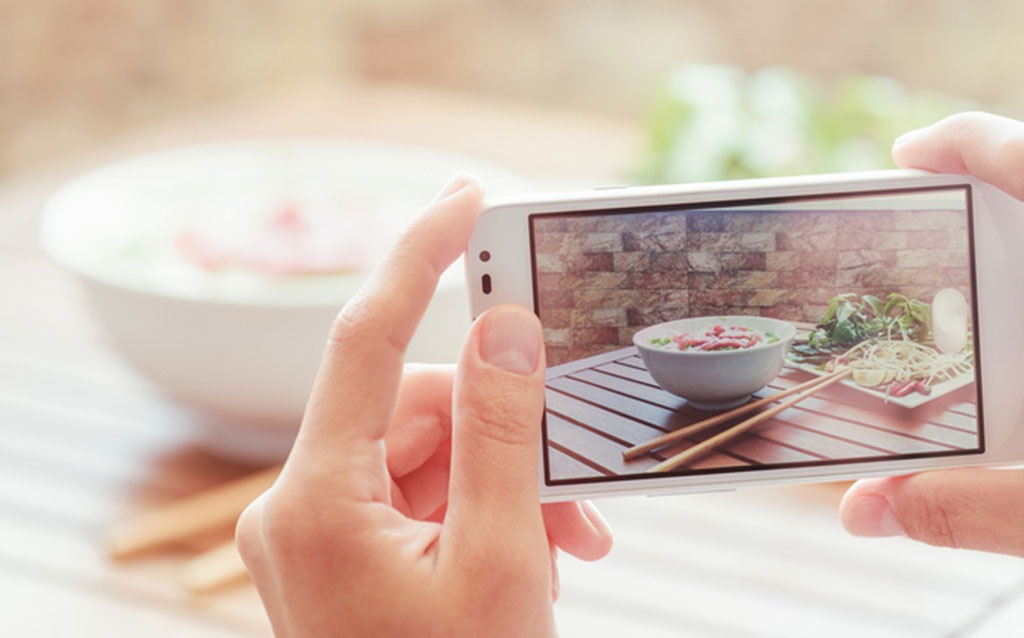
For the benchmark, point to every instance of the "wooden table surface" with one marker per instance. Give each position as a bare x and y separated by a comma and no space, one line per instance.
599,406
85,442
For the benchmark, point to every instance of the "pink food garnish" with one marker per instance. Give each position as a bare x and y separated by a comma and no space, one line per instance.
288,242
719,338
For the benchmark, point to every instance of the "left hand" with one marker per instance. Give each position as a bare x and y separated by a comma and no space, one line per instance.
409,505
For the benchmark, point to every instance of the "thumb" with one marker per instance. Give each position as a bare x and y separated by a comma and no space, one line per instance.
988,146
979,509
498,405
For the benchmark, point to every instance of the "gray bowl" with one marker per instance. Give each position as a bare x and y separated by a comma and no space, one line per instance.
714,380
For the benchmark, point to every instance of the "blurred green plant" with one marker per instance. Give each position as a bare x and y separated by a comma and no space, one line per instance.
717,122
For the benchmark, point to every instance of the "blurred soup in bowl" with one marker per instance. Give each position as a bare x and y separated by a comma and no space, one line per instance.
217,270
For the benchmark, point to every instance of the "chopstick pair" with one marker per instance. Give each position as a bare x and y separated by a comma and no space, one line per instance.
805,390
210,511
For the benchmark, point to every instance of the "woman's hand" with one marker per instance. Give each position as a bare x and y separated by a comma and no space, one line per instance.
969,508
409,504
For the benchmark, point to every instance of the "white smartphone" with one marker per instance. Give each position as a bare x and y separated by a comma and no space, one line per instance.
713,336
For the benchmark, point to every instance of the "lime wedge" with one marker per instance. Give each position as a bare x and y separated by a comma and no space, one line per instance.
869,377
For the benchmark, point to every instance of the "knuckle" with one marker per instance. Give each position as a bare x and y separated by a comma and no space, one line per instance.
503,421
965,120
275,514
285,520
269,528
408,252
965,125
936,517
248,538
933,525
351,321
357,324
298,518
1010,154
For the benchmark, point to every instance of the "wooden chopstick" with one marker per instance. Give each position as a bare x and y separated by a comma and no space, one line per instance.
690,454
214,569
718,419
209,510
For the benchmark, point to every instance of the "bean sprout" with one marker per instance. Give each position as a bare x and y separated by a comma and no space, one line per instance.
884,361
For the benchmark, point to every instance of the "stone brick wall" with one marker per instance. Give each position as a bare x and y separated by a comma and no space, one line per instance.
602,278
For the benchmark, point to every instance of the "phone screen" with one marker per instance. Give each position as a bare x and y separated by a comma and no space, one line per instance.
756,334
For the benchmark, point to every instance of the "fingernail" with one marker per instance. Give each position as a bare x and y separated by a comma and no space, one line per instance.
459,181
510,340
596,519
875,517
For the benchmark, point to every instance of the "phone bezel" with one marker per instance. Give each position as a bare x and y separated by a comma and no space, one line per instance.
503,232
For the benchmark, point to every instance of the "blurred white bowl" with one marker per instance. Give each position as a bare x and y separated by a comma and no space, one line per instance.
718,379
238,347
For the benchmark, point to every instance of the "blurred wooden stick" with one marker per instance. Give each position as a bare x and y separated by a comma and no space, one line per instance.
214,508
214,569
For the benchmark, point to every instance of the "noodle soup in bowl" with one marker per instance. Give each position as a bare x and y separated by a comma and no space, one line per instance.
216,271
715,363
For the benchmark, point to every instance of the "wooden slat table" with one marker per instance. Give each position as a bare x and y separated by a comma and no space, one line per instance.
599,406
85,442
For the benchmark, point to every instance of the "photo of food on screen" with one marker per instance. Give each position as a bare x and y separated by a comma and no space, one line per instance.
757,334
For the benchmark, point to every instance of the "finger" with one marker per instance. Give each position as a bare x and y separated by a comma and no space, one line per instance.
438,515
979,509
424,489
498,403
249,539
422,418
579,529
556,583
987,146
354,392
418,440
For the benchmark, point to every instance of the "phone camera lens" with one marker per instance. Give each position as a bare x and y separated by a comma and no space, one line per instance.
485,283
485,256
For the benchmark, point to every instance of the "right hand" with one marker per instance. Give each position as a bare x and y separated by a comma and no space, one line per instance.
989,147
970,508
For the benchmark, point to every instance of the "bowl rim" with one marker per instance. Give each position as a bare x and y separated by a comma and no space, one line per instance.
782,342
60,204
